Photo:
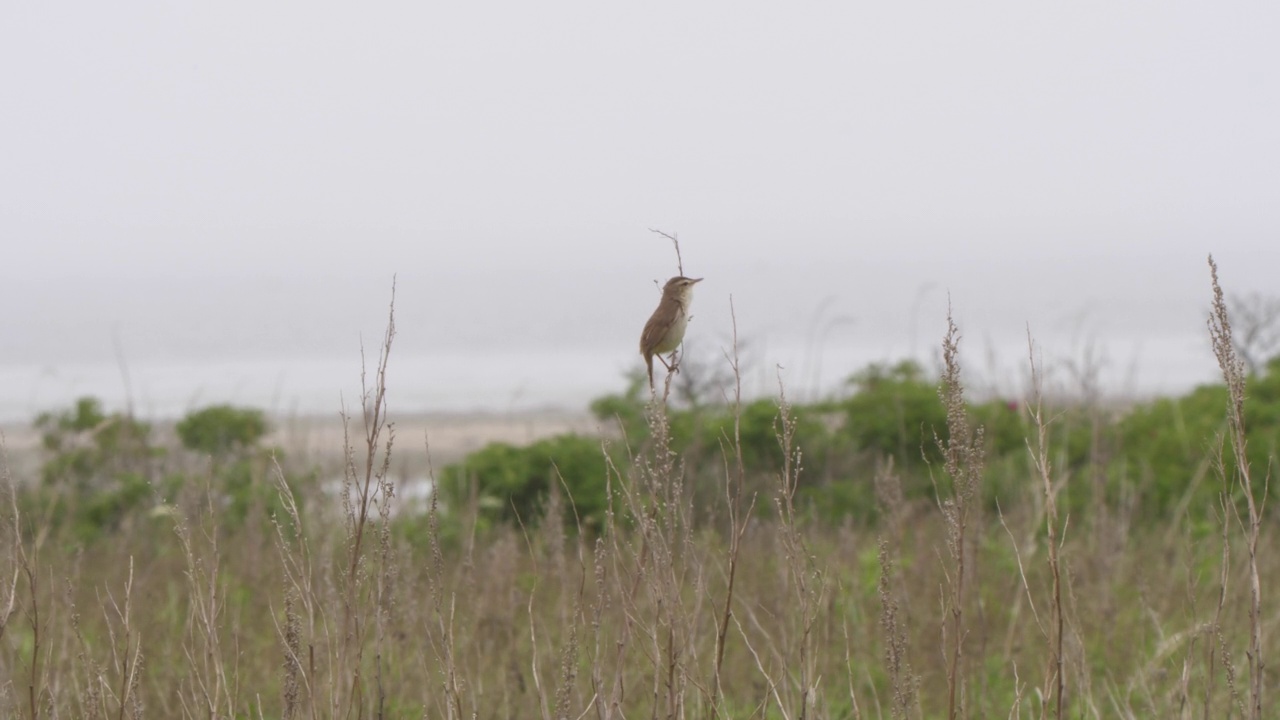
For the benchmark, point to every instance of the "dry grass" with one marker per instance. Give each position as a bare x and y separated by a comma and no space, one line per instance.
324,611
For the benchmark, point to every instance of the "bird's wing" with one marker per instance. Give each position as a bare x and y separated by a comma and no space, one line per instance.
654,331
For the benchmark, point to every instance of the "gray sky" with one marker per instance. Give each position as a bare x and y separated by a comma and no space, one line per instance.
210,180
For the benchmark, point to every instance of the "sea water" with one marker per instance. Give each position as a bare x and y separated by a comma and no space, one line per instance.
537,378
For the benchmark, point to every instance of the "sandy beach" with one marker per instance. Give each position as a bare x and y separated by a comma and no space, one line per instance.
449,436
319,440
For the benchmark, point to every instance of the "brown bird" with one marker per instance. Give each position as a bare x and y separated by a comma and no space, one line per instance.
665,330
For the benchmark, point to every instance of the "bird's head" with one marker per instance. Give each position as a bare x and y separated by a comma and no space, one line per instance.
680,287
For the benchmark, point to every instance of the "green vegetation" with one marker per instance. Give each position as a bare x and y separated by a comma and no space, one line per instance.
98,468
222,431
512,484
103,470
1155,454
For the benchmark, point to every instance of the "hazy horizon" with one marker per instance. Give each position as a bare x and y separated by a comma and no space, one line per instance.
218,189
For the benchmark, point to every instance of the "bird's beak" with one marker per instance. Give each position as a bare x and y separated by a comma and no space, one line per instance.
695,280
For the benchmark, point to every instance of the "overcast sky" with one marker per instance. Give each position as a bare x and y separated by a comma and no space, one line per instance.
231,180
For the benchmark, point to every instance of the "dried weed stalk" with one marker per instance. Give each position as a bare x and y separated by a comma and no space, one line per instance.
1054,685
963,462
209,688
661,510
807,580
328,627
739,517
1239,479
440,634
902,681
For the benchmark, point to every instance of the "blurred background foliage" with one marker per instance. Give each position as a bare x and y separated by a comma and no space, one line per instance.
102,470
1153,457
1150,458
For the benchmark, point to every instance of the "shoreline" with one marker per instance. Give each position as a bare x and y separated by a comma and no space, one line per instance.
318,439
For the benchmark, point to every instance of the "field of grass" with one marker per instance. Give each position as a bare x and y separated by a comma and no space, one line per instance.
703,589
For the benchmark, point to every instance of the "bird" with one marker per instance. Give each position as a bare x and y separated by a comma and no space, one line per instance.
665,330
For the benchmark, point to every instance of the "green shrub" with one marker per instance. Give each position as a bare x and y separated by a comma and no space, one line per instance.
97,468
231,437
515,482
222,430
87,449
627,409
895,412
1171,442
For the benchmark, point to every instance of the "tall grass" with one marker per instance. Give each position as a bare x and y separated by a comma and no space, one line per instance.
323,607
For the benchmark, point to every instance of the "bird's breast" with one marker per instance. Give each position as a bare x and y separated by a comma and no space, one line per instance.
674,335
